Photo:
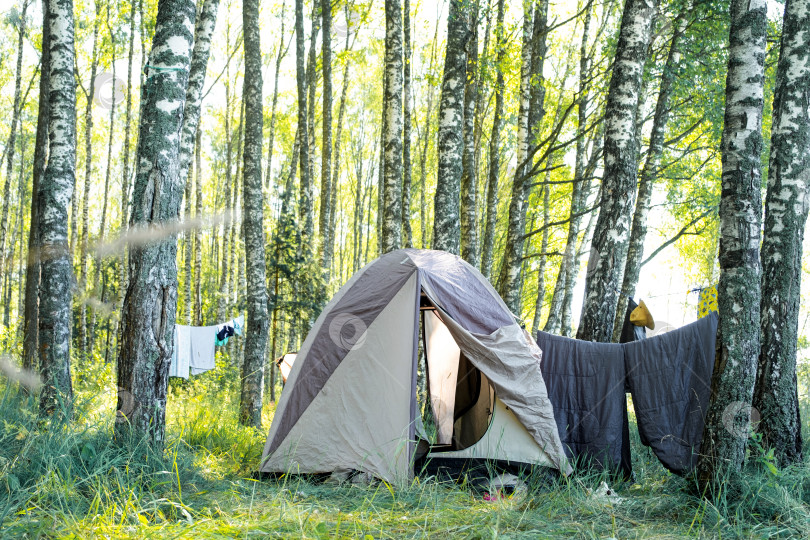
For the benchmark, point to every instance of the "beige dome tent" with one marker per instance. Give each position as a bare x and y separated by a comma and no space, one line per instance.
350,402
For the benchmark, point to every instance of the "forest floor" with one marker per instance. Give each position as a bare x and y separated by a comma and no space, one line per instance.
73,481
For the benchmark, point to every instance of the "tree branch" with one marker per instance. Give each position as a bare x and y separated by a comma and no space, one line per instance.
682,232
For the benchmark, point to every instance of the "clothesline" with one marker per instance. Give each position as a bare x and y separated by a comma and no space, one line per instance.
194,346
696,289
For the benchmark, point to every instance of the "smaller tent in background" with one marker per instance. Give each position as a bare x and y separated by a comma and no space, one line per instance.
352,398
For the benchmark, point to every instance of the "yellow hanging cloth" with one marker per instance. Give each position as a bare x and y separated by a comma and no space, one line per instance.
707,301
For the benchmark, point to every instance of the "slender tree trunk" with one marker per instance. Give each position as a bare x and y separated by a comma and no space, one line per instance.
541,270
326,139
469,172
147,324
612,233
189,134
370,190
232,290
359,198
566,319
446,204
312,84
55,193
381,167
32,274
786,203
305,200
482,96
407,168
488,244
338,134
224,293
12,137
19,228
727,426
203,33
88,171
425,138
531,113
554,320
253,224
282,52
188,248
123,277
97,263
230,197
391,233
649,173
198,320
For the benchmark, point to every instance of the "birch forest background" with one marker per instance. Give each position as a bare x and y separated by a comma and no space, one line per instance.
181,161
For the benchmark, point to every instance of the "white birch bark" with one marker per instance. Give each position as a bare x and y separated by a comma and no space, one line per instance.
612,232
488,242
203,32
150,304
446,204
786,206
738,344
55,194
253,225
391,233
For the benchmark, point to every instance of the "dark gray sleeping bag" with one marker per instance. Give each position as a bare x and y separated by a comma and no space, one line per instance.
668,375
586,386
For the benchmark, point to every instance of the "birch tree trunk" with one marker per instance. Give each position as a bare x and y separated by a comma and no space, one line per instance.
529,117
305,198
250,409
338,136
391,234
407,168
203,33
494,149
612,233
446,205
554,320
425,137
188,248
469,172
12,137
282,52
786,204
126,170
32,274
312,83
100,267
326,139
649,173
223,292
150,304
55,193
541,271
88,171
727,422
198,213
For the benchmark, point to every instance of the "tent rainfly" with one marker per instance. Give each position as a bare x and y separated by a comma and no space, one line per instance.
351,399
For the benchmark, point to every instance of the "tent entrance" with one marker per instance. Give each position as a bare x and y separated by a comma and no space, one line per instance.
454,397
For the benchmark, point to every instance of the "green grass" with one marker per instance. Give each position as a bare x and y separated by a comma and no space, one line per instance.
73,481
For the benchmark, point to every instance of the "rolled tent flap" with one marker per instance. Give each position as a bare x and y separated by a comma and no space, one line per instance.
443,356
512,366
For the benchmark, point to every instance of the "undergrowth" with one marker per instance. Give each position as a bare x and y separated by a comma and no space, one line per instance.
74,481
